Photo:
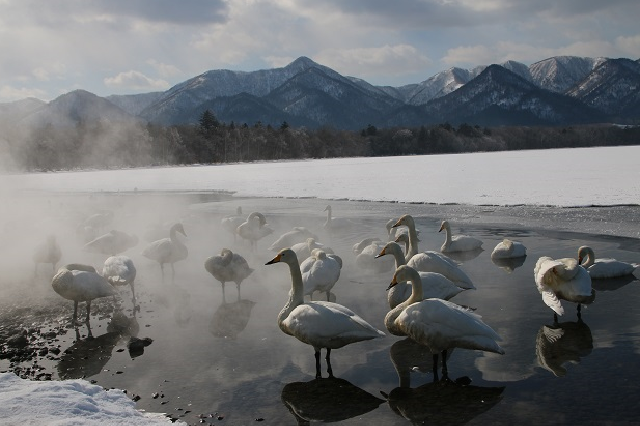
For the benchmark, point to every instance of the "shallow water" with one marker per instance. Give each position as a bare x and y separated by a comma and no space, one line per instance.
228,363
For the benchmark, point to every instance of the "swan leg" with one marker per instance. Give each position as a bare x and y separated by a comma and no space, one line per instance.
555,318
224,298
133,299
445,372
75,313
579,313
238,287
88,310
173,274
318,373
328,358
435,368
328,292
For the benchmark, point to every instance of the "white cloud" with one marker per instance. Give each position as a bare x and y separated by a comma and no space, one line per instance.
135,80
10,93
164,70
401,59
629,45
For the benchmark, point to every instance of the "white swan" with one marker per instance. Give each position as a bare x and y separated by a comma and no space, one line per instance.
254,229
430,261
458,243
231,222
508,249
303,250
228,266
333,224
367,258
120,270
168,250
604,267
47,252
438,324
289,238
112,243
433,284
81,283
563,279
320,272
319,324
393,232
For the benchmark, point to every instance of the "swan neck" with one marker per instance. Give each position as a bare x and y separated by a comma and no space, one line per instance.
398,256
416,288
296,296
590,259
412,249
447,233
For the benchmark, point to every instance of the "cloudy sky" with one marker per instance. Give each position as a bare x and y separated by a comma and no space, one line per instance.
50,47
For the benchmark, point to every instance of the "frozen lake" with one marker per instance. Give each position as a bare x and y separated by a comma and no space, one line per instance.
227,359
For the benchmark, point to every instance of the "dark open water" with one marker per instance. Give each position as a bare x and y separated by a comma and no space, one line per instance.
230,363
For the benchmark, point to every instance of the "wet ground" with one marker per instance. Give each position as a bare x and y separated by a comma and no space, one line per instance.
214,359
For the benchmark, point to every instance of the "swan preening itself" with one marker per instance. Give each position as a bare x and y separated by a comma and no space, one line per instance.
458,243
438,324
320,272
119,271
228,266
168,250
81,283
603,268
563,279
254,229
508,249
319,324
47,252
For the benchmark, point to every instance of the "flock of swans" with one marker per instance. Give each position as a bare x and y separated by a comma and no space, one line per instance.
419,295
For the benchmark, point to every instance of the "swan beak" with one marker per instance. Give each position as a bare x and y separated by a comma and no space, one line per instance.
397,223
393,283
579,260
382,253
441,228
274,260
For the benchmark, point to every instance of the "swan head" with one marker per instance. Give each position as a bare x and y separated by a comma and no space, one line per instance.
444,225
285,255
402,274
178,227
389,248
402,238
257,216
405,220
239,210
327,209
583,252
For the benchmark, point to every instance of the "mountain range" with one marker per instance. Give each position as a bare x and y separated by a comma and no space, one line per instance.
562,90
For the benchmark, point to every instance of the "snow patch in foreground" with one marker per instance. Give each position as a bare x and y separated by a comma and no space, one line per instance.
68,402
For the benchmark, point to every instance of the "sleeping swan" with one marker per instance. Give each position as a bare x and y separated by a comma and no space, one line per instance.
603,268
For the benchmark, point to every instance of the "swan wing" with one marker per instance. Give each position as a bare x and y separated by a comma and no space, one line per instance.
440,325
326,324
434,262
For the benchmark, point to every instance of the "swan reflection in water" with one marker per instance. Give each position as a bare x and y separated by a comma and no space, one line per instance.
443,402
230,319
509,264
563,342
87,357
327,400
464,256
612,284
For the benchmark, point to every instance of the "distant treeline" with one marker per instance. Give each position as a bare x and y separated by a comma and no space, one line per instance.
103,145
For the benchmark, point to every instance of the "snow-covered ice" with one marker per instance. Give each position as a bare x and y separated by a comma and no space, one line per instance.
68,402
553,177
